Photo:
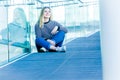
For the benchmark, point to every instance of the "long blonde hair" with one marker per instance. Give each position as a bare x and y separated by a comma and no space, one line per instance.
41,18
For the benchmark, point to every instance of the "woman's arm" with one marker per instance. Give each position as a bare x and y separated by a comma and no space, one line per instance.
61,27
37,31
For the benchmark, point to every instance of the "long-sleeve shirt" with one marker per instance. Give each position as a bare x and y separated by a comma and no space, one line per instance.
45,31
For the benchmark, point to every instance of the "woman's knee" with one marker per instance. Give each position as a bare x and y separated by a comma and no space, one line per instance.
42,42
62,32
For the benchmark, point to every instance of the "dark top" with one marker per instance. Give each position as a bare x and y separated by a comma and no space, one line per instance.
45,31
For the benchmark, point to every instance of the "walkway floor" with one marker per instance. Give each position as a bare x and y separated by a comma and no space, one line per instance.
81,61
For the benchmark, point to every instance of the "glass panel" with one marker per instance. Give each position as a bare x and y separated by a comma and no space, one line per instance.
82,20
19,31
59,14
70,21
34,13
3,42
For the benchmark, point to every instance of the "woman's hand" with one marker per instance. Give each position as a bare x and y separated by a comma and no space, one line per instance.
55,30
51,42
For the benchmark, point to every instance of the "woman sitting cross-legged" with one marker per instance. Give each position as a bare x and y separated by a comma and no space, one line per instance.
49,34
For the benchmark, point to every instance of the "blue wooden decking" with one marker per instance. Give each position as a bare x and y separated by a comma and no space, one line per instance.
81,61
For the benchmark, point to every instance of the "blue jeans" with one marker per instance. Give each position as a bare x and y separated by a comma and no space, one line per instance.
58,38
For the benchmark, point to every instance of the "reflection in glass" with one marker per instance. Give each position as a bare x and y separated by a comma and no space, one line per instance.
17,32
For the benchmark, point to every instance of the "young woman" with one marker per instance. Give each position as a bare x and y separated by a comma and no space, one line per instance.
49,34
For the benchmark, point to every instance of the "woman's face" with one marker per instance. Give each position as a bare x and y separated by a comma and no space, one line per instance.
47,13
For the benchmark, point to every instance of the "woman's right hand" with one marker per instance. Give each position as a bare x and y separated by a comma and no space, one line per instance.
51,42
55,30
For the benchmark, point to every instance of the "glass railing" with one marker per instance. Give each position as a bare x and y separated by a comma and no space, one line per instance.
14,34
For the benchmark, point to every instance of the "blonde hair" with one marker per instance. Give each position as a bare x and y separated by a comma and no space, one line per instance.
41,18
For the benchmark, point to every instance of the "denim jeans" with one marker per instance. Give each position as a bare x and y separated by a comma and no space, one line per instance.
58,38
